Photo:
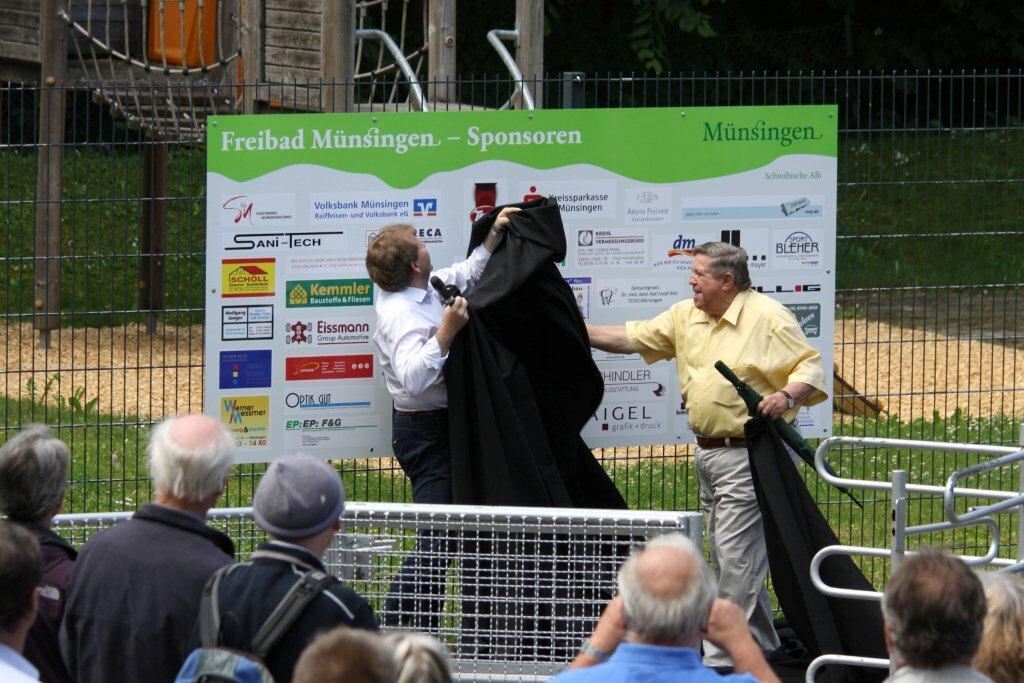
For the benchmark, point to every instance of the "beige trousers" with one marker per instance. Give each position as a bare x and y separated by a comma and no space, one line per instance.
736,540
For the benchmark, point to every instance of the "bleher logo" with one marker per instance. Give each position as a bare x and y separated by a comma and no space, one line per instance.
797,244
424,207
240,208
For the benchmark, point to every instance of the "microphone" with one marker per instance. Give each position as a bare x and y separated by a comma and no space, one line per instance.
447,292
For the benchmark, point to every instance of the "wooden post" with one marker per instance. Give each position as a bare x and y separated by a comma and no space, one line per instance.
251,36
530,51
441,51
338,54
153,231
53,52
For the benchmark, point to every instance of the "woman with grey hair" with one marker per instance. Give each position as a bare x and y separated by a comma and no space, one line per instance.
1000,656
418,658
33,478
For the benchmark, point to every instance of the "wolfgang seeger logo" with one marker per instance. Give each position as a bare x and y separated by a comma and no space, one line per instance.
759,131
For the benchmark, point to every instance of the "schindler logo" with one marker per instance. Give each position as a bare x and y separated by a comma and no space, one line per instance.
759,132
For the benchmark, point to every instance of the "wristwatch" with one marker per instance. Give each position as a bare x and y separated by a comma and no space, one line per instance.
588,648
789,398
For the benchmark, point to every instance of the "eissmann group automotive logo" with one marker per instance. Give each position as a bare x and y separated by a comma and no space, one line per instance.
247,277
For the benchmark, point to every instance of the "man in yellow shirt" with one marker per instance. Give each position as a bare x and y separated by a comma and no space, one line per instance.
761,341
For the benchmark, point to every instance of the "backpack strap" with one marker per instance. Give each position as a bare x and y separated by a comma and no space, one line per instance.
298,597
209,609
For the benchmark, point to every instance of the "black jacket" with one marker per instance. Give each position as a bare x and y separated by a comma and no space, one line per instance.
795,530
521,379
134,596
250,591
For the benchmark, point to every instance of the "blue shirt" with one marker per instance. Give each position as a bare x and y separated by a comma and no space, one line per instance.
650,664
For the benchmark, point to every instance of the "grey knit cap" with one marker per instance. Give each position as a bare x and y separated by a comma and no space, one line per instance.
298,497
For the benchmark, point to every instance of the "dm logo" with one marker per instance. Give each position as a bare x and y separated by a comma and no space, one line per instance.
240,208
424,207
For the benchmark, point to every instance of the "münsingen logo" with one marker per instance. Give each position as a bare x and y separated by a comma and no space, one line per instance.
759,132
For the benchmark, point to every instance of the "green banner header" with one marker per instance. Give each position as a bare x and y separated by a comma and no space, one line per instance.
402,149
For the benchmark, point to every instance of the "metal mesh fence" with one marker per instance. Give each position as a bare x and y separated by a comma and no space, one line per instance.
511,591
928,304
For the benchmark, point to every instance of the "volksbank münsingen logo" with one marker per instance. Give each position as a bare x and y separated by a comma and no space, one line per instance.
353,292
760,131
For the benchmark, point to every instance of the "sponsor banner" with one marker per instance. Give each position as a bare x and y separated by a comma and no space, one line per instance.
294,201
797,249
372,208
344,292
246,323
334,397
342,431
245,369
808,316
247,418
585,200
647,205
660,293
610,248
628,419
327,332
247,277
631,383
261,210
357,366
777,207
580,287
328,240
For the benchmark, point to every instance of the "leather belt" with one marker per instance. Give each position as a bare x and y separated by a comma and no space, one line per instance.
716,442
422,413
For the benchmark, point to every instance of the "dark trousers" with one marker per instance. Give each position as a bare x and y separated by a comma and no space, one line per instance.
416,596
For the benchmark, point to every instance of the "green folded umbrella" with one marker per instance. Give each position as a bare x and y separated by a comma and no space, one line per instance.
786,431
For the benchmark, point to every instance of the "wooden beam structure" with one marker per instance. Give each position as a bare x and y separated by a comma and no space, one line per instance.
337,47
441,51
53,52
530,51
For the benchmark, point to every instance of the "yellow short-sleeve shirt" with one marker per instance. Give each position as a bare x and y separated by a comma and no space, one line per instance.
757,337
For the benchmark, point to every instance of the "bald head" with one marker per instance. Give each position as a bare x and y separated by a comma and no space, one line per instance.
189,457
666,592
193,431
665,571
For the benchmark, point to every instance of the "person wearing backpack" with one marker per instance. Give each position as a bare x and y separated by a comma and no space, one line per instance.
258,607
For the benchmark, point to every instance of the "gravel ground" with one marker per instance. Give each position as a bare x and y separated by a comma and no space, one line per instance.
913,371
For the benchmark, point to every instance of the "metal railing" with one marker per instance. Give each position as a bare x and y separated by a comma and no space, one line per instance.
511,591
900,490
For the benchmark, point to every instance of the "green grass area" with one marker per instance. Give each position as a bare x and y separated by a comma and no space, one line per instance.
928,208
100,241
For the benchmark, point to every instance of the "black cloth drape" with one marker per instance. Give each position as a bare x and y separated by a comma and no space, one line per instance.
795,530
521,380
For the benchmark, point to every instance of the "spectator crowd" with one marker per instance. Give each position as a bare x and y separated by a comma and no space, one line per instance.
160,597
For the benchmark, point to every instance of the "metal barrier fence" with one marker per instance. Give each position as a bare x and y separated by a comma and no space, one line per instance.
931,178
981,523
511,591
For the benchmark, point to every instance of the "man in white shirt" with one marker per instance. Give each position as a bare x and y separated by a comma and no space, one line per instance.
21,570
414,332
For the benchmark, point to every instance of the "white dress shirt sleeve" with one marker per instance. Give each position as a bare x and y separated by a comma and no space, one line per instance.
465,274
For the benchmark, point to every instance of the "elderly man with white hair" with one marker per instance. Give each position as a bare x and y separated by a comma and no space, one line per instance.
652,631
135,590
